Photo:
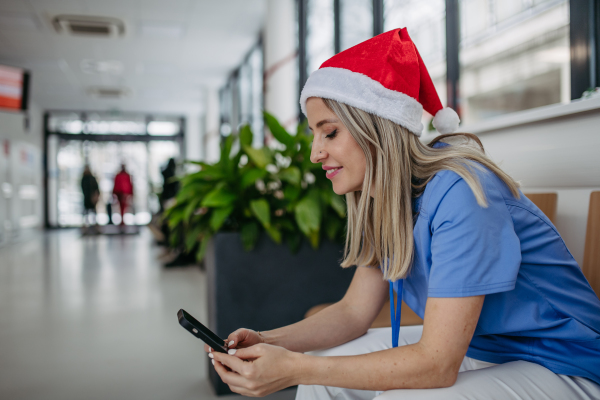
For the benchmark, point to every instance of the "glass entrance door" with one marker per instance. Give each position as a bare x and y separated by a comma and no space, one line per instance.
143,161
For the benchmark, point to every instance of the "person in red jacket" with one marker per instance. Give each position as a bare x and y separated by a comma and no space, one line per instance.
123,189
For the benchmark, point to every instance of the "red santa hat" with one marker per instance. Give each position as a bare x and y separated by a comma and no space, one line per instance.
385,76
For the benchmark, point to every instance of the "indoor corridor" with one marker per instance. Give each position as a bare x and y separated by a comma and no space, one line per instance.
95,318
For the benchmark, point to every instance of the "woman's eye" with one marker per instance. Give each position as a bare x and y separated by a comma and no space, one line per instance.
331,135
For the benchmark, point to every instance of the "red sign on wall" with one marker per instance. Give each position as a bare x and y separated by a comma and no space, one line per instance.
11,87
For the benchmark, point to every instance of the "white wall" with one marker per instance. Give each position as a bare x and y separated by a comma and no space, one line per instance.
552,149
21,184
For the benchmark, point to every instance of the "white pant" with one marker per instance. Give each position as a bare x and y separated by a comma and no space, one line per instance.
518,380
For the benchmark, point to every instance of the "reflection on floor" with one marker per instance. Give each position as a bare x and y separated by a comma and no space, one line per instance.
110,230
94,317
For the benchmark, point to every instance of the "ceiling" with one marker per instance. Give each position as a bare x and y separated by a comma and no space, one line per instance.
170,52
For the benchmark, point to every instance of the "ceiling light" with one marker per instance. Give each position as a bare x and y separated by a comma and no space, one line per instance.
87,25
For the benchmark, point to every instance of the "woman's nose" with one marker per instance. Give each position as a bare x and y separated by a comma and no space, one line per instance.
317,154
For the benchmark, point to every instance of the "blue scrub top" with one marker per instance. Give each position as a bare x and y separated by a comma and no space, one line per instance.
538,305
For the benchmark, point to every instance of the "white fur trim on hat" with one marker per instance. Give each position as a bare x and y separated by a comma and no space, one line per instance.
360,91
446,121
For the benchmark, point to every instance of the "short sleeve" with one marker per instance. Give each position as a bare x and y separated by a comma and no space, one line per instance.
474,250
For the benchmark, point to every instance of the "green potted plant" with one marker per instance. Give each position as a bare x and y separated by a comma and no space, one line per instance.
270,230
250,190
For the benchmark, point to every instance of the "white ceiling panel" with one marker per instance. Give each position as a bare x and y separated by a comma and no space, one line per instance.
18,6
176,10
54,7
125,8
170,50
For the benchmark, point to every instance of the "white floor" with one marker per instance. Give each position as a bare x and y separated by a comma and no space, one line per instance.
95,318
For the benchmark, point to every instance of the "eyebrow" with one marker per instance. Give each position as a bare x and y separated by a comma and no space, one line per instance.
325,121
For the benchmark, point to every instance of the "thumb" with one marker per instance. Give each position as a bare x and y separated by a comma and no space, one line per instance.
248,353
237,337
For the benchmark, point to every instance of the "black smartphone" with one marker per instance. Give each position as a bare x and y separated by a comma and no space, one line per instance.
201,332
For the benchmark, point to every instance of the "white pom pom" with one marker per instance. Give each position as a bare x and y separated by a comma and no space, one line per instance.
446,121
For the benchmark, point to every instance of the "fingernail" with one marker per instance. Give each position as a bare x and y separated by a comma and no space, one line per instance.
210,355
231,343
210,349
213,361
232,351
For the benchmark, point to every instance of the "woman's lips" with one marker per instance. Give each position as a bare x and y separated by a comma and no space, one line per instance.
333,172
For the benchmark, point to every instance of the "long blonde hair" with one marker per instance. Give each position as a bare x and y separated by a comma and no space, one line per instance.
398,167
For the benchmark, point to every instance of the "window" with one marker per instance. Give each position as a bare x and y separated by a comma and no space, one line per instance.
241,99
226,108
426,25
319,33
356,22
255,61
164,126
514,55
500,56
65,122
102,123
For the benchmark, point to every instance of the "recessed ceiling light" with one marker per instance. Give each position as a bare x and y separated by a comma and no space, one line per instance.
161,30
88,25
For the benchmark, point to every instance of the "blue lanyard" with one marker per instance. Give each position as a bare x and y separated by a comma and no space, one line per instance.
395,310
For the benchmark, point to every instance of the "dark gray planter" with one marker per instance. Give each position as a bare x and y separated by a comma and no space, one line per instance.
268,287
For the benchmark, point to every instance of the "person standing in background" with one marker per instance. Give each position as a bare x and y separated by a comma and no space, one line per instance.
123,190
91,193
170,185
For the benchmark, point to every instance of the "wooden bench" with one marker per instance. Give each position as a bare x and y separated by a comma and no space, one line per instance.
591,255
546,202
383,319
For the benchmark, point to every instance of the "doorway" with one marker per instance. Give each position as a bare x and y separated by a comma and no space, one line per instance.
72,145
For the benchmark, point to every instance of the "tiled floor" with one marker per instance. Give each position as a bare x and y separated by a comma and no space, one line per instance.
95,318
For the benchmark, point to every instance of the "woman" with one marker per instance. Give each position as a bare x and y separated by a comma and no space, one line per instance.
123,190
507,312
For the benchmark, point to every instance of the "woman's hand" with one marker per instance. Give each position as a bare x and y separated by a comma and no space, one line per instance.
258,370
244,338
241,338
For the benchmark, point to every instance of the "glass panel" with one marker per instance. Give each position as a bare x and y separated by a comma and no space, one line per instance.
426,25
319,33
159,153
226,109
68,122
245,93
356,20
514,56
256,63
143,161
164,126
101,124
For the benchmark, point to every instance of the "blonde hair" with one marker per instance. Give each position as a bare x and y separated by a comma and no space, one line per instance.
398,167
